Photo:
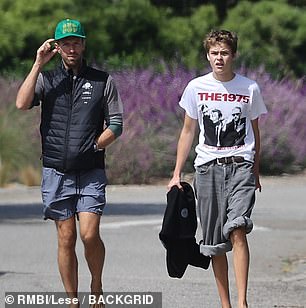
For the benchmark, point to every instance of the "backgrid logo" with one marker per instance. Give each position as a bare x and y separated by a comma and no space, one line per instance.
111,299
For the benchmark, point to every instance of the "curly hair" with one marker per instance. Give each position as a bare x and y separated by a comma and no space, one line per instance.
221,36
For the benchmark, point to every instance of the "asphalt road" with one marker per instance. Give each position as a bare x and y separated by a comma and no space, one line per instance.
135,260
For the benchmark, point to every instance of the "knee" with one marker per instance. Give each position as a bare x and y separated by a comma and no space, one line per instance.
238,237
67,239
90,238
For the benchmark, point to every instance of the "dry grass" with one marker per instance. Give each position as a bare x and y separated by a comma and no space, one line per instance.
30,176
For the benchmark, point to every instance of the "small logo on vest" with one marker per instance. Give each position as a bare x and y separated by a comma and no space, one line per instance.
86,95
87,86
184,212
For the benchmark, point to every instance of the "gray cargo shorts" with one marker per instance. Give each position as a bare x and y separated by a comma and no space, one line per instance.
225,199
66,194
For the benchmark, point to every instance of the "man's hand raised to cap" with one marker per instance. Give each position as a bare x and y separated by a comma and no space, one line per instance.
45,53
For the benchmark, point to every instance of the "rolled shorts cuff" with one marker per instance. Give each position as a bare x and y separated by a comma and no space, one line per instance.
215,250
57,218
66,213
98,211
52,214
237,223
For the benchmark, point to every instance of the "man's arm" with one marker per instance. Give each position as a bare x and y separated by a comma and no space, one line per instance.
113,130
105,139
183,149
113,110
255,127
26,92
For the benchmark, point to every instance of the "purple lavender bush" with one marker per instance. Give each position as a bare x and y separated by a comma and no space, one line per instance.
283,129
153,120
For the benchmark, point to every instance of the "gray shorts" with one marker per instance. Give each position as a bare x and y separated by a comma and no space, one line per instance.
225,198
66,194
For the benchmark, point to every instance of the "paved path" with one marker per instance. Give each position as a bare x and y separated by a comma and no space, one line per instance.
136,259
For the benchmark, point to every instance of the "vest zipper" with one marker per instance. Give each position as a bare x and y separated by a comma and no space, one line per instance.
72,84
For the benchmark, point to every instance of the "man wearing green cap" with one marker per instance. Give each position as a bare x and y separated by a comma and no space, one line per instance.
81,114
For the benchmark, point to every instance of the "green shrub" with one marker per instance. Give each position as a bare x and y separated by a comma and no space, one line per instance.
19,138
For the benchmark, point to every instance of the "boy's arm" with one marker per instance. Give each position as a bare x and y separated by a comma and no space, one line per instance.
183,149
255,127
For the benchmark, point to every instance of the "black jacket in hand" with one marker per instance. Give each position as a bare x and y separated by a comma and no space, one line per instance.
178,232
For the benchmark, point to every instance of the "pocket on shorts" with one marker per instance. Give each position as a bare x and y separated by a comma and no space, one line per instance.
50,185
203,169
99,177
93,182
246,171
47,177
246,165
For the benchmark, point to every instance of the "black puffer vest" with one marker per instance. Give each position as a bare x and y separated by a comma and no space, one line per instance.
72,117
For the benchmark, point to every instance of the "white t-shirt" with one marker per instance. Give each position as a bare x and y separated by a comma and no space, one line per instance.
224,111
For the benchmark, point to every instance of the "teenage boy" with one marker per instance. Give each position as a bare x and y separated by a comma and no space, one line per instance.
227,170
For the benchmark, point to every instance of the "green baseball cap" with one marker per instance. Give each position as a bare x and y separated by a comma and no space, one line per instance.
69,27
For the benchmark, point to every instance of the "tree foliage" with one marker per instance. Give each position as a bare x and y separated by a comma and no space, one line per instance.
24,25
272,34
181,38
129,33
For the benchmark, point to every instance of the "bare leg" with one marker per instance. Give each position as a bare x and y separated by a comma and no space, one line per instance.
94,249
241,264
67,260
220,267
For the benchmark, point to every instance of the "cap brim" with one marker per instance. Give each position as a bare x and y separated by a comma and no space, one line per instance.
69,34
